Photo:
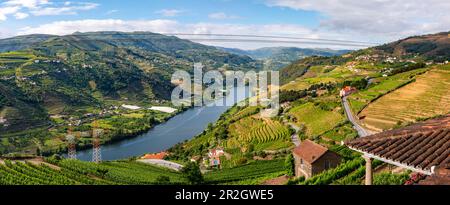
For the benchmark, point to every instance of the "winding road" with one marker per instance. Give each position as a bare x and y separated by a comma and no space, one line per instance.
295,138
362,132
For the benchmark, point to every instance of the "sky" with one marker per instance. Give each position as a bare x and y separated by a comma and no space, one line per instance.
367,22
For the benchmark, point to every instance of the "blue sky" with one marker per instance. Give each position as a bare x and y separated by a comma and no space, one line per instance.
375,21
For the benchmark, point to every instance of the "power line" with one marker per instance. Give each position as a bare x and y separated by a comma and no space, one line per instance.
278,41
305,40
268,36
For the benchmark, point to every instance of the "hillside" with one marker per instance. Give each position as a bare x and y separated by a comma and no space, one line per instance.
432,46
60,80
127,172
428,96
22,42
275,58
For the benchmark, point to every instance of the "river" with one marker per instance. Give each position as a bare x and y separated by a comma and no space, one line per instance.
181,127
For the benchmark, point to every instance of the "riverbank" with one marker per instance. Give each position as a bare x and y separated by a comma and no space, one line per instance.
179,128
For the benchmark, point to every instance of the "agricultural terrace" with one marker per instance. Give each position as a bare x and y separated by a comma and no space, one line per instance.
428,96
317,118
73,172
263,134
321,74
250,174
380,87
16,57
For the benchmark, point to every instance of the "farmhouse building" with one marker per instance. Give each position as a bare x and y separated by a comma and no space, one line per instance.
214,157
347,90
312,159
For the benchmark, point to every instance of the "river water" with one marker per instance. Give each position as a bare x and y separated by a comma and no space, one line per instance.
183,126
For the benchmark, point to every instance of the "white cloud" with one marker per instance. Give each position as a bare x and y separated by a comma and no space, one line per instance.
20,15
69,8
169,12
68,27
32,4
391,18
21,9
171,26
5,11
221,16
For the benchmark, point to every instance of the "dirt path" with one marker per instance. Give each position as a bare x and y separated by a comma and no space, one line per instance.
277,181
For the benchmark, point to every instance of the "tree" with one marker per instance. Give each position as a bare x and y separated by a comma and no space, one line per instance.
192,173
290,165
163,180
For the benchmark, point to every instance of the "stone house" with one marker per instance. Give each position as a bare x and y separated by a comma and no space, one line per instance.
312,159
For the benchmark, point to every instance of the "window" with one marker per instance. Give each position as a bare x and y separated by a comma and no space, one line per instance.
327,164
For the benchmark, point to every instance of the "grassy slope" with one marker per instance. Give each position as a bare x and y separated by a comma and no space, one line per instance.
315,119
381,87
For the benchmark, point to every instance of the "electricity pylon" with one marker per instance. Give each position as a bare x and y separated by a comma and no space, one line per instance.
71,140
96,152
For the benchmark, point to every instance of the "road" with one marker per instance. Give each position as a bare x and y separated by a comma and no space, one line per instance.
362,132
162,163
294,137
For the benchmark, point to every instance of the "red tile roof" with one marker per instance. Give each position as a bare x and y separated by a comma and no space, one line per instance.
160,155
310,151
441,177
420,146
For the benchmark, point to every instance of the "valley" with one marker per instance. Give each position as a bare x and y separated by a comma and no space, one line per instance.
81,82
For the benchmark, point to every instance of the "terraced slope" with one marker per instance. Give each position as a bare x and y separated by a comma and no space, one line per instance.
427,97
250,130
73,172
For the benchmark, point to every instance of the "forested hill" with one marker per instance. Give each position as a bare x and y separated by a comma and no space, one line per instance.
22,42
432,48
52,75
275,58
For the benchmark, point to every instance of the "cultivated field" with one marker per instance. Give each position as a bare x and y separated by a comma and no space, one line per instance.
272,134
428,96
315,119
384,85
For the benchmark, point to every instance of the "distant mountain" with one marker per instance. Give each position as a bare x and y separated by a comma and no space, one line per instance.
22,42
74,73
432,46
279,57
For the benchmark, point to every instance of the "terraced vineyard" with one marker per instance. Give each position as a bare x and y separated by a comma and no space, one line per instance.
386,84
428,96
72,172
257,131
254,172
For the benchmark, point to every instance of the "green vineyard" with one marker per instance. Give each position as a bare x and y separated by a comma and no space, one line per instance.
259,131
73,172
258,169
